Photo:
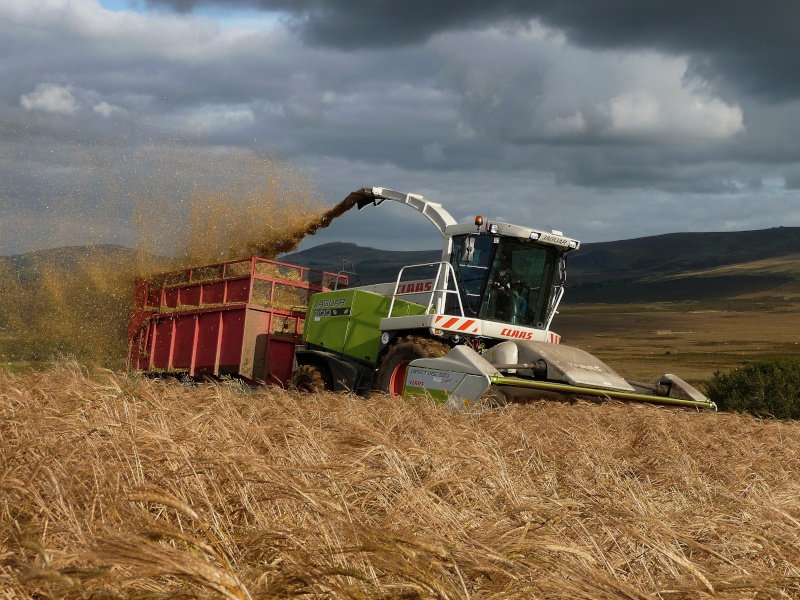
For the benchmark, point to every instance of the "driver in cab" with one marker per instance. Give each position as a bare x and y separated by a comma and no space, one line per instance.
510,303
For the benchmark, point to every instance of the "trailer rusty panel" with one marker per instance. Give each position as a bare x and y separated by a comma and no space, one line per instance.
171,297
214,293
267,356
208,341
280,359
253,358
232,341
163,340
238,290
184,344
189,296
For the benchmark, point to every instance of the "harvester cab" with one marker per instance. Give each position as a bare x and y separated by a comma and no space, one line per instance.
472,325
501,280
508,276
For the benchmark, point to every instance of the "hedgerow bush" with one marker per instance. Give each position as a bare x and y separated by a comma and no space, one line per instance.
764,388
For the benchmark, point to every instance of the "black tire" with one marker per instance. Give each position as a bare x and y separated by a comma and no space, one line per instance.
391,372
310,380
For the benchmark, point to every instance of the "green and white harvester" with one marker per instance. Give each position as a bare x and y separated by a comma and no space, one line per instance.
473,327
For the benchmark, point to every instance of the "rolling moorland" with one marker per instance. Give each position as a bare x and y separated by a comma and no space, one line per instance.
117,486
690,303
672,267
687,303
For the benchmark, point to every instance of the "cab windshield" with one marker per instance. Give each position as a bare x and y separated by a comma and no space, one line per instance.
506,279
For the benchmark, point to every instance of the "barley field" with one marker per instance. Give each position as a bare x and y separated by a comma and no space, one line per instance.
115,486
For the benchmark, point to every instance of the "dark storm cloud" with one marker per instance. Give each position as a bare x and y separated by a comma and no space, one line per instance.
476,105
752,45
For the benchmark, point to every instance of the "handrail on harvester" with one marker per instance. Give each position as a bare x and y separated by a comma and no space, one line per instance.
444,281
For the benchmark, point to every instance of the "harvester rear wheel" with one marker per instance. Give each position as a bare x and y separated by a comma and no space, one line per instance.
309,379
392,370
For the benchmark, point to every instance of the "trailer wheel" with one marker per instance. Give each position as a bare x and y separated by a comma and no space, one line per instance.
310,380
392,370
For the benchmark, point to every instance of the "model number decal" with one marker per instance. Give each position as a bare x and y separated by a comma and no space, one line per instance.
330,303
330,312
552,239
432,378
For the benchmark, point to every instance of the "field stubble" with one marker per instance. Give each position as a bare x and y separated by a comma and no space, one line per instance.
690,340
125,487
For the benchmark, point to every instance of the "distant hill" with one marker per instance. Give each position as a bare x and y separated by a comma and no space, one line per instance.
671,267
28,267
371,265
687,266
681,252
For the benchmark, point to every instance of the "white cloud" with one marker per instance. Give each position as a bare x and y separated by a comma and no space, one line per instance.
527,89
145,35
635,112
216,118
464,131
51,98
680,116
646,97
571,125
106,110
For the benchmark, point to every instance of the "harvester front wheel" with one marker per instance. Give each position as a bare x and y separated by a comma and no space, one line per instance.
392,370
310,379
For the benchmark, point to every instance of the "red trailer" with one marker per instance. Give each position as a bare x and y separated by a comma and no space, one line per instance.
242,318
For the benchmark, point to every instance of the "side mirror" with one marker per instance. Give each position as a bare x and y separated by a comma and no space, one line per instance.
468,250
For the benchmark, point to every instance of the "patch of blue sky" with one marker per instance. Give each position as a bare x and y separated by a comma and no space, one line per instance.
120,5
240,18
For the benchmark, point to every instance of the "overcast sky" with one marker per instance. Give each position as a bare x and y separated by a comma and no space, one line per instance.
606,119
